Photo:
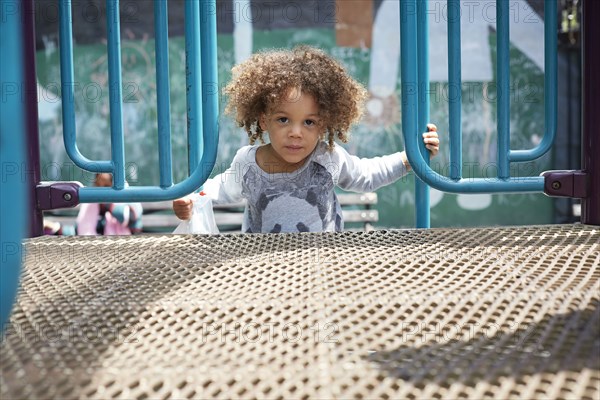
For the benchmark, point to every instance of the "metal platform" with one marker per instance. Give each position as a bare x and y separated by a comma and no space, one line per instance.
440,313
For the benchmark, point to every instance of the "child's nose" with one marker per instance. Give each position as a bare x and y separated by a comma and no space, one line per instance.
296,130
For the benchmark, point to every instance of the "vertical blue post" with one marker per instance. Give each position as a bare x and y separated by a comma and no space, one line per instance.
115,93
550,87
455,89
550,74
67,80
67,83
161,34
210,79
421,188
408,70
503,78
13,196
193,74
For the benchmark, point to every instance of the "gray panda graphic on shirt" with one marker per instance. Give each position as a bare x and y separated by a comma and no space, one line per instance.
303,201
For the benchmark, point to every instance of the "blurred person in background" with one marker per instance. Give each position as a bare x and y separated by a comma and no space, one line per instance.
109,218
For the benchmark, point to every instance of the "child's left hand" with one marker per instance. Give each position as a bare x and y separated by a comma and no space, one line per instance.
432,142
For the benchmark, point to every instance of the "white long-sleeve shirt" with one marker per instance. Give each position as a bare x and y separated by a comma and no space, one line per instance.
303,200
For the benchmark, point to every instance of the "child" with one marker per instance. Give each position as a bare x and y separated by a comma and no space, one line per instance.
109,218
304,100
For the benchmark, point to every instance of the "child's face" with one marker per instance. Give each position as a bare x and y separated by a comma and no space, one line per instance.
103,180
294,128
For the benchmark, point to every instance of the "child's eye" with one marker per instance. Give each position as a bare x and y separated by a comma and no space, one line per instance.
309,122
283,120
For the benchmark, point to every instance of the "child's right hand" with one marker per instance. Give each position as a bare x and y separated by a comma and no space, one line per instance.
183,208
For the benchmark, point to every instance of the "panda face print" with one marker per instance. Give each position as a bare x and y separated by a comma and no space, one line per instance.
290,214
302,202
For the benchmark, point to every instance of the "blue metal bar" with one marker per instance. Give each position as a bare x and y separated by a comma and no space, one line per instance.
161,30
550,86
210,80
455,89
68,84
503,79
115,91
13,196
150,193
193,82
408,26
421,188
204,166
409,78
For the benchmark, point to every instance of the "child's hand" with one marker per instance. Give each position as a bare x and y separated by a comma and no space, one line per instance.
183,208
432,142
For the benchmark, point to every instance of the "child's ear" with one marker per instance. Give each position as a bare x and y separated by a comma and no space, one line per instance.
262,122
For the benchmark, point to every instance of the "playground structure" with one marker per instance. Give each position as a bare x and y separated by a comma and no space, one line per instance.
470,313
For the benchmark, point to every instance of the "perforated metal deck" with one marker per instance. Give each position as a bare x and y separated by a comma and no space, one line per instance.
440,313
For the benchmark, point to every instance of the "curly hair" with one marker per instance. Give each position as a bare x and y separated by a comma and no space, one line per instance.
266,78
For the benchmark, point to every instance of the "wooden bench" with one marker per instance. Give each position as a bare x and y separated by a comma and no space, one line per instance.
158,217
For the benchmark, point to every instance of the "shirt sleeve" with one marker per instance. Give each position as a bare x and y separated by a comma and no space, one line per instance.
367,174
227,186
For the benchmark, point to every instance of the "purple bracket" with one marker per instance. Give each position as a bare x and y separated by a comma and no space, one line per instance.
55,195
566,184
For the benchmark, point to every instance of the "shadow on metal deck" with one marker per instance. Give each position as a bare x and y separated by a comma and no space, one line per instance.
452,313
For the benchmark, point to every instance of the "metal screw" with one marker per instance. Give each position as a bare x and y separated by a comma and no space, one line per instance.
67,196
556,185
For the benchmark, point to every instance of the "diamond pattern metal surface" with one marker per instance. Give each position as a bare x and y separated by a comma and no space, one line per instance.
439,313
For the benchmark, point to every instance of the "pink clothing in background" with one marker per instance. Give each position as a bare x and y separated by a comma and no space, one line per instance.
87,221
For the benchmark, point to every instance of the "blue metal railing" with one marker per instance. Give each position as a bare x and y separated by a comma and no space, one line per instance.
13,196
454,90
412,41
163,106
201,70
421,188
210,75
